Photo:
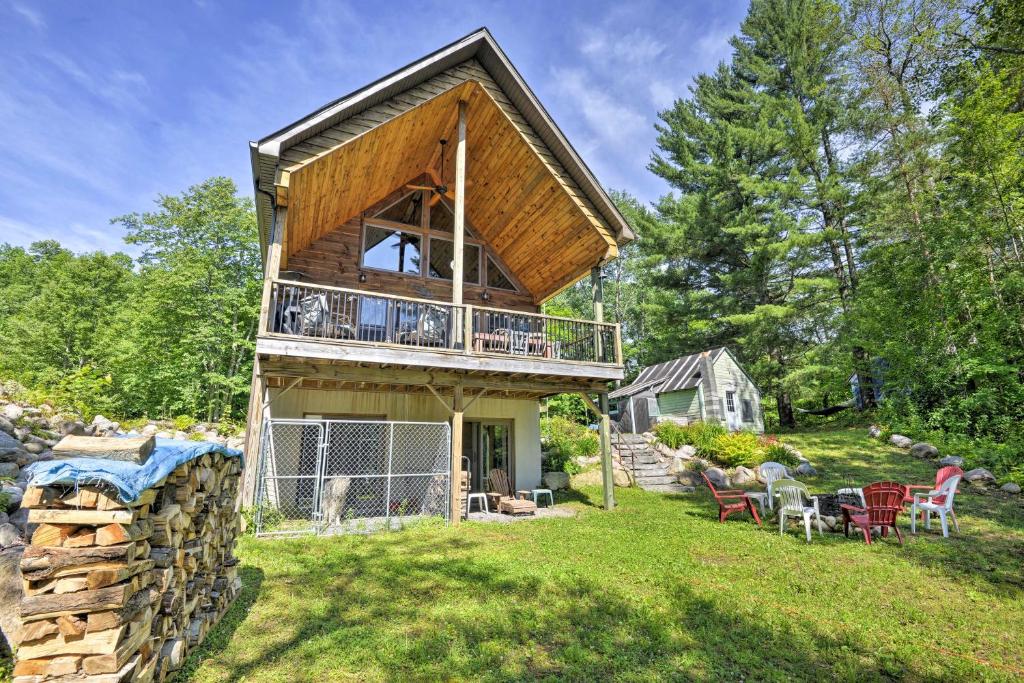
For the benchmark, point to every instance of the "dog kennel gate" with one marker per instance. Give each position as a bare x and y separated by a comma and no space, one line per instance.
344,476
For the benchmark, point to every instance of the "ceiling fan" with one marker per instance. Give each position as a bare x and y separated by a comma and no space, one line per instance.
439,188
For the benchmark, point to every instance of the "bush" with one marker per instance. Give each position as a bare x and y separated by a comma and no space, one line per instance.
738,448
183,423
777,452
700,435
272,518
566,440
671,434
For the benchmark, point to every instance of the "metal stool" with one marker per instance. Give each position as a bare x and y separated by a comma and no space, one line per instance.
541,492
481,502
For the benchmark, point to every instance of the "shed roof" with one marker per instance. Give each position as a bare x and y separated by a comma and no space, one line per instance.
672,375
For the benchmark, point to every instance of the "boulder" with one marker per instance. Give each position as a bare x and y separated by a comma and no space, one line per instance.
980,475
8,442
556,481
664,450
718,477
689,478
900,441
6,425
164,435
180,435
924,450
621,478
3,517
9,469
678,466
742,475
9,535
1010,487
686,451
831,523
13,495
19,518
13,411
954,460
237,442
874,431
150,430
806,470
35,447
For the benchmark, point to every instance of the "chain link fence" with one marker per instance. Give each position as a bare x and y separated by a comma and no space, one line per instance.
349,476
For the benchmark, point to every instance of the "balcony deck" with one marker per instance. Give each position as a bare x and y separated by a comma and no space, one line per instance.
335,325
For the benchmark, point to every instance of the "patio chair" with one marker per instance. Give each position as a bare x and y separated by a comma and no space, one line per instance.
770,472
883,502
793,499
940,502
731,501
941,476
508,502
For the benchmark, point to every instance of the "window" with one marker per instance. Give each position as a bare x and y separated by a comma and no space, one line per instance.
748,410
730,401
441,218
390,249
442,254
497,279
405,210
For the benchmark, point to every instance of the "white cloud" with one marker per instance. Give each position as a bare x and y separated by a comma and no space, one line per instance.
611,119
30,15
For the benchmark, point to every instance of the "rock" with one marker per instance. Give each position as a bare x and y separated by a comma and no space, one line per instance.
718,477
664,450
180,435
6,425
8,442
742,475
924,450
981,476
689,478
620,477
35,447
9,535
3,517
22,433
237,442
1010,487
556,481
74,428
590,477
164,435
13,411
686,451
954,460
9,469
831,523
900,441
678,466
150,430
874,431
13,495
90,430
806,470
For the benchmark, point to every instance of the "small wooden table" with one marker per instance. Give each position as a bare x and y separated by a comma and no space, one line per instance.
517,506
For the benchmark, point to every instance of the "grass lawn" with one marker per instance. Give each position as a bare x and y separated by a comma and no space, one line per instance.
655,590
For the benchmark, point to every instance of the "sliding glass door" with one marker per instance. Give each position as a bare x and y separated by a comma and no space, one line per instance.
488,445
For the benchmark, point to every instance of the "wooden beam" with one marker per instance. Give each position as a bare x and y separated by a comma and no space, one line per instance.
283,392
597,294
443,402
456,484
273,265
460,206
473,400
607,475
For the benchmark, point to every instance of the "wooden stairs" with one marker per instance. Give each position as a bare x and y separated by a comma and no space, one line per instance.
648,468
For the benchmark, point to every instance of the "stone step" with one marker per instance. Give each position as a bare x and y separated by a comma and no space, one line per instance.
655,480
640,460
648,467
669,488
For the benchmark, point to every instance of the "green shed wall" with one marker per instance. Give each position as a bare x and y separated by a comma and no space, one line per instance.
684,403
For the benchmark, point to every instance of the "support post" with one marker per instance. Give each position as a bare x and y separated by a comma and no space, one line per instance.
456,485
607,475
253,434
597,294
460,207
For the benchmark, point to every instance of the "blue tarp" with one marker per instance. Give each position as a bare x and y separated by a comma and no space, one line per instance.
129,478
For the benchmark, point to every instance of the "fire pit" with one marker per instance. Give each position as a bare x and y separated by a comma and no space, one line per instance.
828,503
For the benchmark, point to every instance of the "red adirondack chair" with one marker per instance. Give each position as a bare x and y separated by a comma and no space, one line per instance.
941,476
883,501
731,501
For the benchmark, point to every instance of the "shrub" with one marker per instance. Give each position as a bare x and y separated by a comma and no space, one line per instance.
671,434
183,423
777,452
272,518
566,440
738,448
703,436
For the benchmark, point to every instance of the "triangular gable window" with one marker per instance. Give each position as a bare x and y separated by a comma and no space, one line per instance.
406,210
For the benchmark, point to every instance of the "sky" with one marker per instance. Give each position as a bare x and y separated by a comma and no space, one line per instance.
104,105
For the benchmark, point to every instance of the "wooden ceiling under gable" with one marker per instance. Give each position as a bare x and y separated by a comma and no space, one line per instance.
517,199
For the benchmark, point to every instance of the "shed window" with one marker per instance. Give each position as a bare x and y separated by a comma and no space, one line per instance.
390,249
730,401
748,410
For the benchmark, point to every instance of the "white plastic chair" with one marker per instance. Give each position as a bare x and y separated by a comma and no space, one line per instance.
793,499
854,492
943,506
770,472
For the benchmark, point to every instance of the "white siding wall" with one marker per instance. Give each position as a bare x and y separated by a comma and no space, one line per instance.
298,403
729,377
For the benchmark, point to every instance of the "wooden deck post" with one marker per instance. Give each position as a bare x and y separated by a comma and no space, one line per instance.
597,293
460,207
456,486
607,475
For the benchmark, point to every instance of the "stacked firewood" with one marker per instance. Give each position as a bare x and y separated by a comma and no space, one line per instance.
121,592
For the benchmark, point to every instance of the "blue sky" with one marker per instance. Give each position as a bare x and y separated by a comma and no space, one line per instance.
104,105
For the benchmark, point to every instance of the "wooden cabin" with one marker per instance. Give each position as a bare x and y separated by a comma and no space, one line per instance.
411,233
706,386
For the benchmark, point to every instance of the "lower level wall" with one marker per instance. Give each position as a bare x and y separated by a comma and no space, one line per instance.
525,415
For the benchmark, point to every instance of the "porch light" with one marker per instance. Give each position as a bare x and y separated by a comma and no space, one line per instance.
485,295
362,276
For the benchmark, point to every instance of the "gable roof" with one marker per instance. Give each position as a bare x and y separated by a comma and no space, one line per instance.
480,46
677,374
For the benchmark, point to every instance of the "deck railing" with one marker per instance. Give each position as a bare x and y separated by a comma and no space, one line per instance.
350,315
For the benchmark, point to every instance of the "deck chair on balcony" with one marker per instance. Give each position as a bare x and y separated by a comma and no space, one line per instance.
508,502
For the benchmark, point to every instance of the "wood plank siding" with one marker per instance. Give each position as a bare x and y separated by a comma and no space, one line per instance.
730,377
685,404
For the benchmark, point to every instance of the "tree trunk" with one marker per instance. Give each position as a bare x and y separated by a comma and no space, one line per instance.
785,408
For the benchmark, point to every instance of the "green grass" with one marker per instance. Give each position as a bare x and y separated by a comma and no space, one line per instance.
655,590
